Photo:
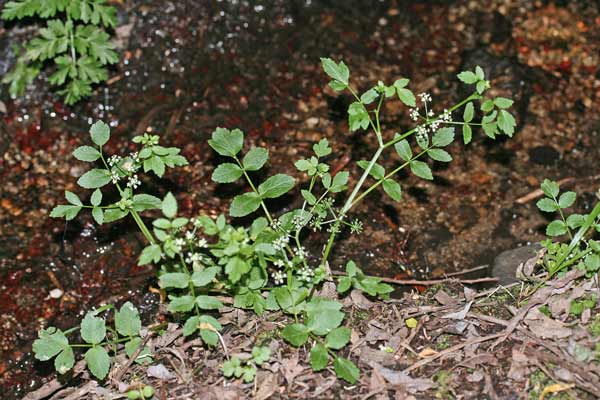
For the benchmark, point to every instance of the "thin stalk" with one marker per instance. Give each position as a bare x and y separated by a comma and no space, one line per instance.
72,43
138,220
473,96
140,223
382,146
389,175
348,204
262,203
589,222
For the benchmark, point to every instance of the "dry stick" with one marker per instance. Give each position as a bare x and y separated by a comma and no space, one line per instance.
466,271
452,349
428,282
538,192
563,182
54,385
136,353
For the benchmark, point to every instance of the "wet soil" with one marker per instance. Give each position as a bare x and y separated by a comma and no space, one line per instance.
187,67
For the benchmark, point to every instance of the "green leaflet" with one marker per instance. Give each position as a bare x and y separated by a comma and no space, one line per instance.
74,40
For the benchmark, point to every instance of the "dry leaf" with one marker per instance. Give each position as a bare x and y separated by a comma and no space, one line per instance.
459,314
399,378
267,385
427,352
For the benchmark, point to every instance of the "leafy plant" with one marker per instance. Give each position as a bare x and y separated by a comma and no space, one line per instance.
74,39
144,392
246,370
582,251
97,338
265,266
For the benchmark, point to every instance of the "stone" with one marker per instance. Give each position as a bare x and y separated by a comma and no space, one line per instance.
506,263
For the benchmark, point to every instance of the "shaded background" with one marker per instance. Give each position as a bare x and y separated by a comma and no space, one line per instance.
189,66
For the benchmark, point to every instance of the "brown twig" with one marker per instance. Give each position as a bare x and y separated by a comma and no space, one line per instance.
538,192
54,385
121,372
429,282
563,182
450,350
467,271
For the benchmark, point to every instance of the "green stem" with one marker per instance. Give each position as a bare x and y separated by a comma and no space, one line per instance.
262,203
376,184
589,222
138,220
562,216
348,204
473,96
72,43
140,223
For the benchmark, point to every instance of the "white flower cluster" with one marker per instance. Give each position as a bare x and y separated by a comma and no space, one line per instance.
282,263
299,222
195,259
306,274
280,243
114,160
300,252
133,182
178,244
115,177
414,114
422,131
276,225
424,97
278,277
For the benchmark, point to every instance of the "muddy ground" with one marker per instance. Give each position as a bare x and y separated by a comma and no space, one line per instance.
187,67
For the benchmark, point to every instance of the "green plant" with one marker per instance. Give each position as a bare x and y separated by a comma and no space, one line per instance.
265,266
581,251
144,392
235,367
74,39
97,337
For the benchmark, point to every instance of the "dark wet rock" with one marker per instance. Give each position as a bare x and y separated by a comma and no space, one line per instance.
418,193
500,155
509,78
506,263
496,28
544,155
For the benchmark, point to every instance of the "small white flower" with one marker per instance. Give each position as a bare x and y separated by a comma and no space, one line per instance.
189,235
446,116
133,182
414,114
202,243
278,277
113,160
276,225
425,97
134,155
280,243
300,252
430,113
306,274
115,177
279,263
179,242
